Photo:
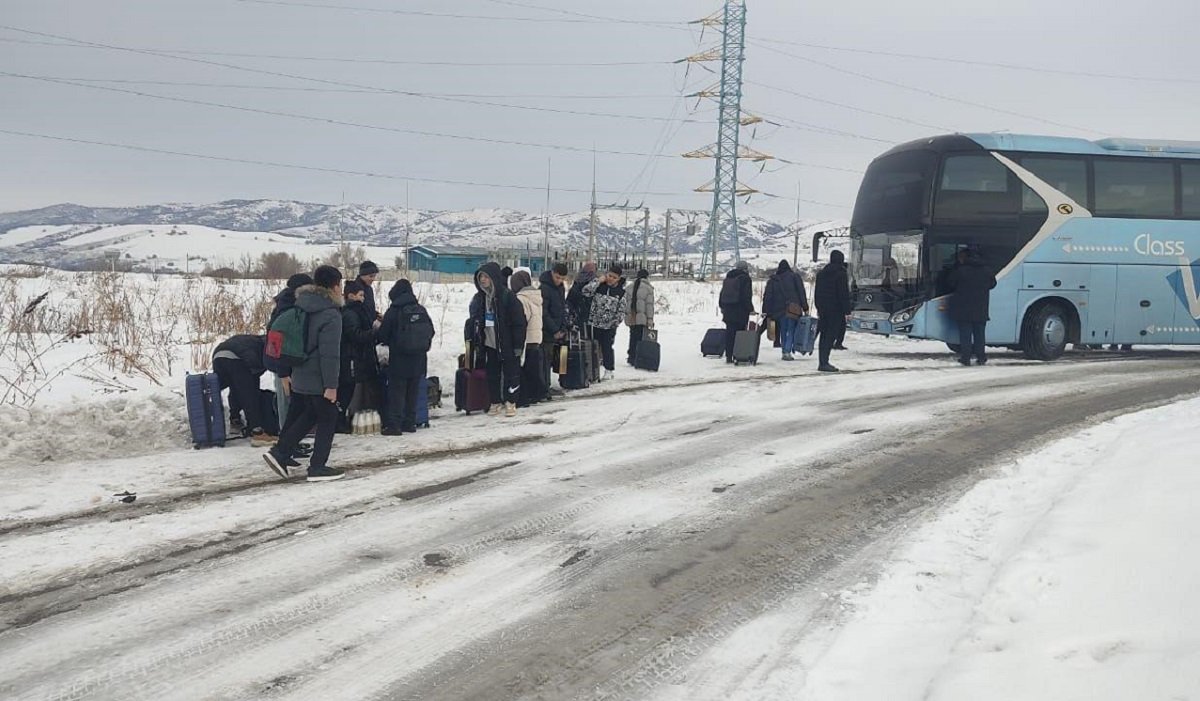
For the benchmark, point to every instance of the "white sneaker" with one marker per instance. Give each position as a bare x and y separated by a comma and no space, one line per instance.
608,375
494,410
510,410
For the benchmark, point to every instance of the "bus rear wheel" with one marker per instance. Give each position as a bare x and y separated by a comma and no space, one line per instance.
1044,333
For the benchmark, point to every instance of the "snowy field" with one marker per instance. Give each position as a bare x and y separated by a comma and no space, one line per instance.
703,532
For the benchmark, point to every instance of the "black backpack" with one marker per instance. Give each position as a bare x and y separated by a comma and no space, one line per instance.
414,333
731,291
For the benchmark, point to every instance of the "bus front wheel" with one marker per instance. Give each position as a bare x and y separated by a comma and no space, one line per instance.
1044,336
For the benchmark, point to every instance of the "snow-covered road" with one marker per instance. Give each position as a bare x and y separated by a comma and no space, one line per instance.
598,547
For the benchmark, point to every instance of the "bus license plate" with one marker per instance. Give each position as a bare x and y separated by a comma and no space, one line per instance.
868,325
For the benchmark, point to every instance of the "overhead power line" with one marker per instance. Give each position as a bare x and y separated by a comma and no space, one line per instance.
843,105
340,83
455,15
986,64
319,169
923,91
343,59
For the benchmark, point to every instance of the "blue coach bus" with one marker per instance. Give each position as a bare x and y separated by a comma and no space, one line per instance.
1093,242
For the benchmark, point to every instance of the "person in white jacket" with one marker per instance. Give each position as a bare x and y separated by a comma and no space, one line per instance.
530,297
639,315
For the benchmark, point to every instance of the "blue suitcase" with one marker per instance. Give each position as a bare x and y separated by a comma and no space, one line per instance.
206,411
806,335
713,343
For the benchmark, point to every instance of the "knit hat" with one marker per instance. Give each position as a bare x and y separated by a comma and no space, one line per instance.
367,268
519,281
299,280
643,274
327,276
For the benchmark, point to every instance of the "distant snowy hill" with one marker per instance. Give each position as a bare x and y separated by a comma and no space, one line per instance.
69,235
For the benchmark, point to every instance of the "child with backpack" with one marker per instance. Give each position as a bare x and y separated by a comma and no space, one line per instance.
408,332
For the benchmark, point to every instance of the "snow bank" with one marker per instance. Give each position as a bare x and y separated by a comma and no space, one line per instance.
1069,575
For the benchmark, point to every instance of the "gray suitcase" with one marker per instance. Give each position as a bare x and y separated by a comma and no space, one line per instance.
745,348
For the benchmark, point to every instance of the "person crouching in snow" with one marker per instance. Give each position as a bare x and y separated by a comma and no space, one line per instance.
238,362
607,298
407,331
532,389
497,311
315,381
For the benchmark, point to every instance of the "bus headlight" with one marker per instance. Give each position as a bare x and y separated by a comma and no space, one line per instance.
905,315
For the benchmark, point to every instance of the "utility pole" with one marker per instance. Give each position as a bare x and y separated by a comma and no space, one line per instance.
796,245
591,252
646,237
546,226
667,245
722,224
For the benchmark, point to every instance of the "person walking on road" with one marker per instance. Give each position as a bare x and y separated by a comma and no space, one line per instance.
497,311
832,299
971,284
285,300
606,295
315,381
640,316
789,288
552,286
737,304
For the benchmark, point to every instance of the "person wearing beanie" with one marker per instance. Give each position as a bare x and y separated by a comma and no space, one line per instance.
532,389
831,296
640,315
607,295
737,304
552,286
285,300
499,321
579,306
790,302
408,332
367,274
358,383
315,380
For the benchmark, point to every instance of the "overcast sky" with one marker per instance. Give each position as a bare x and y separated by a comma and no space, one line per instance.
1153,41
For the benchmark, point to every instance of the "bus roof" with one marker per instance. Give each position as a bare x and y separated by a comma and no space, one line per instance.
1109,147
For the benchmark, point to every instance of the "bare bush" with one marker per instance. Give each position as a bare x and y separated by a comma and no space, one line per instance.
279,265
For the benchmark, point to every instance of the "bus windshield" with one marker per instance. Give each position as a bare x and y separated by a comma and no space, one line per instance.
894,195
887,260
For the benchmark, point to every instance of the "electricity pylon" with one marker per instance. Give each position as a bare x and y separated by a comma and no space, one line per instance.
722,223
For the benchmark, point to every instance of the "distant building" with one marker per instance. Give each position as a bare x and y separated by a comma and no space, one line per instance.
455,260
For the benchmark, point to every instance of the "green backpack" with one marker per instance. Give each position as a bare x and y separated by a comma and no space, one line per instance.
287,338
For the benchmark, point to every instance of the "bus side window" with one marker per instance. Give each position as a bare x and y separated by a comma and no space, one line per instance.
1132,187
974,189
1067,175
1191,190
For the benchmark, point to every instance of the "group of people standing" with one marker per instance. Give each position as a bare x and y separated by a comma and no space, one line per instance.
785,303
516,326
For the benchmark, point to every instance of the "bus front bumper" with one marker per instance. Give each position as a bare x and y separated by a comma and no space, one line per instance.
872,322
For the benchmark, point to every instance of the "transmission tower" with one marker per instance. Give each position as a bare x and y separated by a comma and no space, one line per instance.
722,223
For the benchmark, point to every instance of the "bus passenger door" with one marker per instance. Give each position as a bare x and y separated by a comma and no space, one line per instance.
1100,324
1146,304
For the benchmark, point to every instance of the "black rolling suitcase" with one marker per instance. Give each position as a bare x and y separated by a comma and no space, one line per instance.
713,343
648,353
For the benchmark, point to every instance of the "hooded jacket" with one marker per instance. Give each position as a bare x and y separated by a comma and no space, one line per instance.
640,310
737,294
790,287
321,367
554,306
510,317
831,294
607,303
358,360
406,365
369,298
531,303
971,284
246,348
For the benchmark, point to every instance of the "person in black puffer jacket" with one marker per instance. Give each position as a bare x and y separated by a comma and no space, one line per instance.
358,376
579,306
500,320
405,368
831,295
552,285
737,304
